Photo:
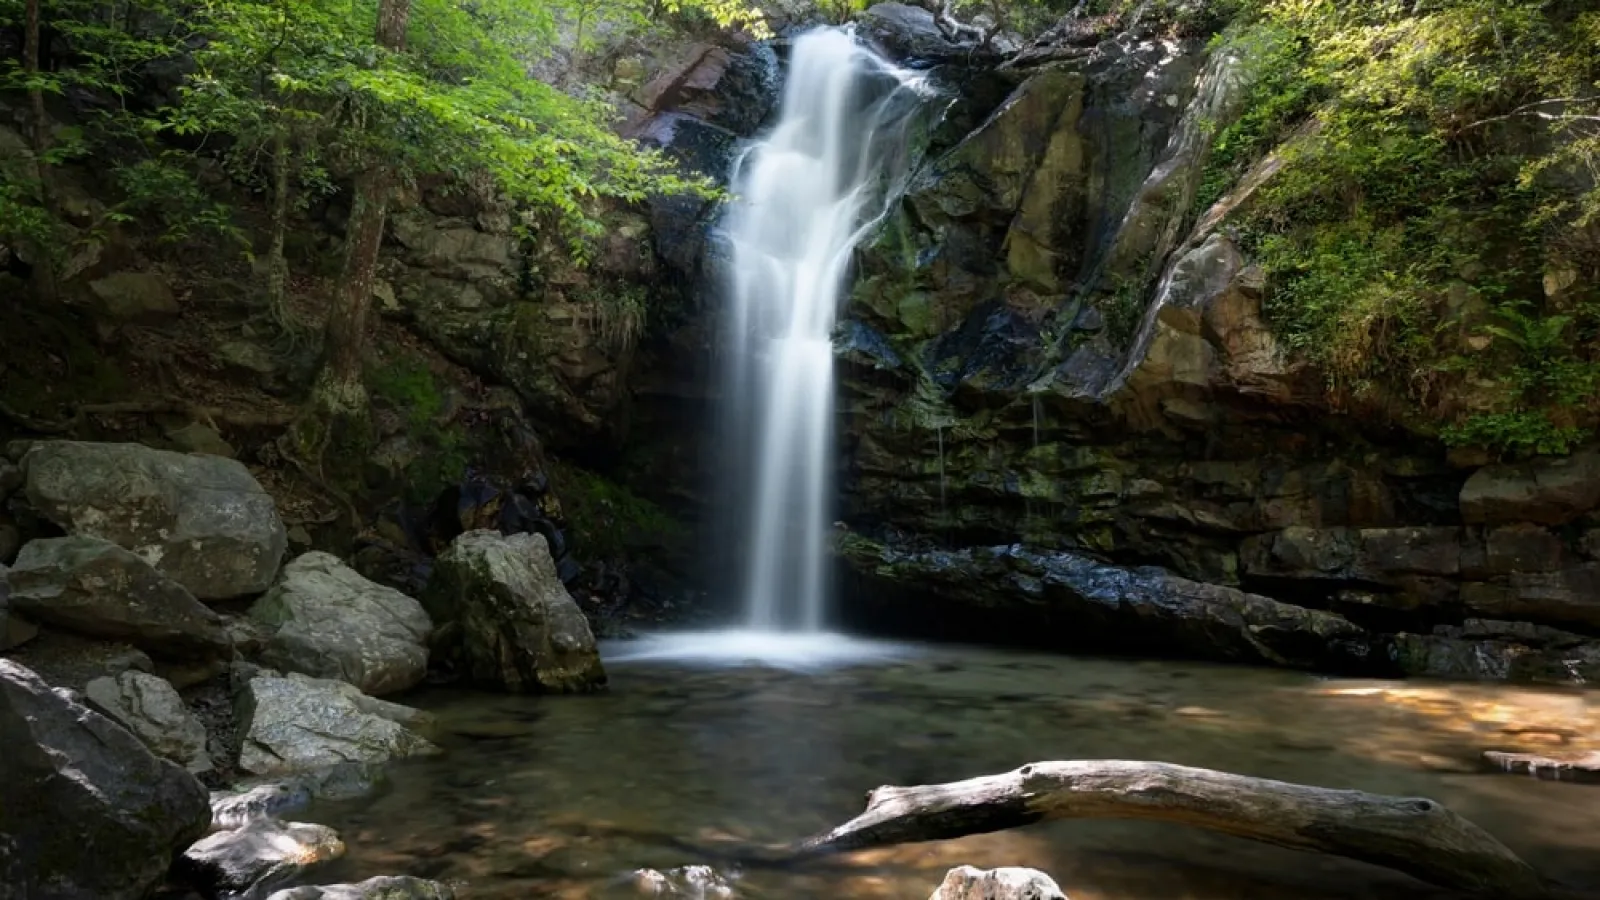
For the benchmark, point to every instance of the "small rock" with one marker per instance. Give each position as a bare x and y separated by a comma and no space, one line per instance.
93,587
693,882
385,887
235,809
299,536
296,723
324,619
151,709
968,883
263,855
135,296
197,438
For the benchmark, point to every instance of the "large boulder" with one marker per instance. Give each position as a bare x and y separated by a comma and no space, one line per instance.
326,620
1010,883
262,856
505,618
134,296
202,520
95,588
150,707
85,809
384,887
296,723
1076,601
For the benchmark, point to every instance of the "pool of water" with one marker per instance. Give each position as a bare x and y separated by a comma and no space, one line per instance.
562,797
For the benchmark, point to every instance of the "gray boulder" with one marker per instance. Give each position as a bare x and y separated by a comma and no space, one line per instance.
151,708
296,723
95,588
134,296
1010,883
85,809
327,621
511,623
202,520
252,861
385,887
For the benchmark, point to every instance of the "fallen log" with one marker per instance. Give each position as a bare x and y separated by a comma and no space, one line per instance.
1410,834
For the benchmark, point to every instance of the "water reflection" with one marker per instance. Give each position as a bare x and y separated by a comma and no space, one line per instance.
561,797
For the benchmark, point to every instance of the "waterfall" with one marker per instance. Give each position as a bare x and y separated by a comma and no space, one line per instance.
803,197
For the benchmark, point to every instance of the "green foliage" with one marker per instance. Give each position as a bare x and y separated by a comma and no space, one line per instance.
607,519
616,314
408,386
1123,309
1407,234
163,189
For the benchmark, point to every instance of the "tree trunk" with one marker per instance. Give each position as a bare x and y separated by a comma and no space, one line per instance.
347,321
336,414
277,265
1409,834
44,262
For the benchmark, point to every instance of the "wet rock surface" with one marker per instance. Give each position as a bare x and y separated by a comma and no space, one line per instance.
295,723
258,858
969,883
85,809
1077,602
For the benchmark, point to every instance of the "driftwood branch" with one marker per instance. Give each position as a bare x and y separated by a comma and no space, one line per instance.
1416,836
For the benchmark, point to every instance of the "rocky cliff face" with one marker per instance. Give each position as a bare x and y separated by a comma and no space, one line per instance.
1049,348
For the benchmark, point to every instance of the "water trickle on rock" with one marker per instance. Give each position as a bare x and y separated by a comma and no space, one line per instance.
804,197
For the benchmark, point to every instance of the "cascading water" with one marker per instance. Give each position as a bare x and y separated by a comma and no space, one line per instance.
803,199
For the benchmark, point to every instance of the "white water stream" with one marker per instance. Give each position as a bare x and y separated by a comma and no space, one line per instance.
803,198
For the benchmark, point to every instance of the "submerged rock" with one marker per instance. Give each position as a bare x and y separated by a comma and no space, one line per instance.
297,723
505,618
93,587
202,520
85,809
260,857
327,621
235,809
968,883
151,708
692,882
385,887
288,792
